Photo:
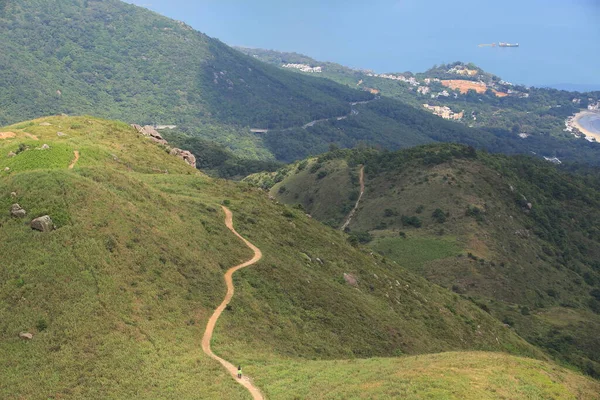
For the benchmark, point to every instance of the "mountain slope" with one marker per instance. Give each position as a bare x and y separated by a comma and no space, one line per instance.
118,295
117,60
503,109
517,236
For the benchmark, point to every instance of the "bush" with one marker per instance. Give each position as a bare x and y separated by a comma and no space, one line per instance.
439,216
411,221
321,174
525,311
388,212
41,325
420,209
361,237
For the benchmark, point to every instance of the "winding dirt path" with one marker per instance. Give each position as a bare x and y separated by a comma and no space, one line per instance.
362,191
210,326
76,153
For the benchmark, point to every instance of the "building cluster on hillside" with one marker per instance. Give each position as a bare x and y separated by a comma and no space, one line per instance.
444,112
462,70
429,80
410,80
594,106
423,90
443,93
304,68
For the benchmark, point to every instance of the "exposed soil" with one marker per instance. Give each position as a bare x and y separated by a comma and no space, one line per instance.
210,326
464,86
7,135
76,153
362,191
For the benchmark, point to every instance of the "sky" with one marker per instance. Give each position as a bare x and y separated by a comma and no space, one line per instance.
559,39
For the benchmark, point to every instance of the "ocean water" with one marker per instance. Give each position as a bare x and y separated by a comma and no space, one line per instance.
591,122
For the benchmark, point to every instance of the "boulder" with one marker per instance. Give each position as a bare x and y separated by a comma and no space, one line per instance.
153,134
13,194
42,224
17,211
26,335
45,147
7,169
351,280
11,154
45,124
185,156
61,134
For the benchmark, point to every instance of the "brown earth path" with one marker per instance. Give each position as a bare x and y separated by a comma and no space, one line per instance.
210,326
76,153
362,191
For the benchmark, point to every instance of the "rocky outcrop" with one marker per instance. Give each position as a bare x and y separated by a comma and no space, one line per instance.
17,211
185,155
151,133
26,335
43,224
11,154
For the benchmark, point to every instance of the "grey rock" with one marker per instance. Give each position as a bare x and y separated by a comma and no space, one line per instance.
45,147
185,156
11,154
351,280
61,134
17,211
45,124
42,224
26,335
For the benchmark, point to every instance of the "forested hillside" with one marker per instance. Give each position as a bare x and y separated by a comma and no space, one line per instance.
520,119
517,235
112,59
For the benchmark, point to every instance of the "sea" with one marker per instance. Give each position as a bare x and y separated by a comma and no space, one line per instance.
591,122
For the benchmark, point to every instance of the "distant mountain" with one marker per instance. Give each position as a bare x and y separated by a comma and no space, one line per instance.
478,99
516,235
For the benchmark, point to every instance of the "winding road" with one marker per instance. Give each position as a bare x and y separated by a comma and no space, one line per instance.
210,326
362,191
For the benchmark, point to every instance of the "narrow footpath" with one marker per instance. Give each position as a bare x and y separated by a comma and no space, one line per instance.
76,155
210,326
362,191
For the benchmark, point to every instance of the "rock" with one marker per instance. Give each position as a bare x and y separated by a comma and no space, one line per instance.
529,205
13,194
42,224
11,154
17,211
185,155
45,147
150,132
45,124
26,335
61,134
6,169
319,261
351,280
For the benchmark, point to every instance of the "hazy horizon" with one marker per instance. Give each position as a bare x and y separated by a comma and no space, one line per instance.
557,39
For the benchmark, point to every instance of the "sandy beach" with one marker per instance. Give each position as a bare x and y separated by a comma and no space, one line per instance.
585,131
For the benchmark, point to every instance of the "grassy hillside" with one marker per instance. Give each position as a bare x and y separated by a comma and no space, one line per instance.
118,295
517,236
457,376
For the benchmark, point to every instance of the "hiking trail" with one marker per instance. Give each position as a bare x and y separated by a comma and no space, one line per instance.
210,326
362,190
76,153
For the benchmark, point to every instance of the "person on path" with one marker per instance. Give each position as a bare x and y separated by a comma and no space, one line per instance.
239,372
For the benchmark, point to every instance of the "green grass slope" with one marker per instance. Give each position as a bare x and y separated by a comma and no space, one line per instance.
460,376
118,295
517,236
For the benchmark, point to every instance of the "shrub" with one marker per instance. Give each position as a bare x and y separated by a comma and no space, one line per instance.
420,209
41,325
439,216
411,221
321,174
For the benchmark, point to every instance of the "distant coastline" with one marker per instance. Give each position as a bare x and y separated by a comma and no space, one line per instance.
587,122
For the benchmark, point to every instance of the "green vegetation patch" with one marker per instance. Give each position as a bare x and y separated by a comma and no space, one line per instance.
414,251
464,376
30,155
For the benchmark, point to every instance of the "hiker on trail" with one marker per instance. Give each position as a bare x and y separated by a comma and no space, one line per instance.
239,372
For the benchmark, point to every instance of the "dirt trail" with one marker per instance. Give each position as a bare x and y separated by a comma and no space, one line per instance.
362,191
210,326
76,153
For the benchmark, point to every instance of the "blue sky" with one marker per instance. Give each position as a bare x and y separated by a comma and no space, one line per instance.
558,38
